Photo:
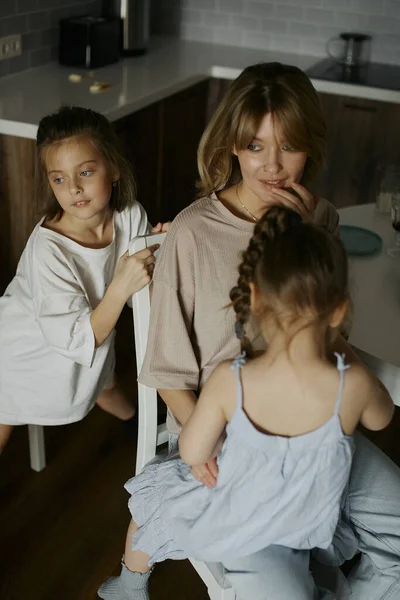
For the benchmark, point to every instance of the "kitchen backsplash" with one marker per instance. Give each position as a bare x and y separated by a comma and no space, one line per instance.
37,22
287,25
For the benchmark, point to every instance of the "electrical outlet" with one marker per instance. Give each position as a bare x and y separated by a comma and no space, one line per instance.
10,46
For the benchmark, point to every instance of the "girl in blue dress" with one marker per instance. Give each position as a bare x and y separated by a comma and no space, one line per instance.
280,423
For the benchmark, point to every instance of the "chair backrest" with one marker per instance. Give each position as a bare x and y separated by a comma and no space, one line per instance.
150,435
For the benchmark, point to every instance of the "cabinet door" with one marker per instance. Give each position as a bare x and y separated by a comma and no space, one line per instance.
18,214
354,130
183,122
388,134
139,135
217,90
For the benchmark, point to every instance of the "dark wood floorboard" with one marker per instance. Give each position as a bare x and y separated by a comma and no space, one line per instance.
62,531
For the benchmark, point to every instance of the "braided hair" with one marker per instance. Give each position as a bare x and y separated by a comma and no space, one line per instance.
300,269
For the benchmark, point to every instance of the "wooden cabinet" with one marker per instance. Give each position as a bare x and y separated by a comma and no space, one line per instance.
139,137
361,140
161,143
183,122
18,214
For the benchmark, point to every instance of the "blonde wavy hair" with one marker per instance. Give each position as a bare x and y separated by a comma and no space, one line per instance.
282,90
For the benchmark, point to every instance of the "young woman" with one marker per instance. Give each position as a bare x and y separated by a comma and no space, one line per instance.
265,143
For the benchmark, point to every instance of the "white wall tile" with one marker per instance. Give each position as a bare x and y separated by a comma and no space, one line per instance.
275,25
351,21
215,19
391,8
246,23
259,9
369,7
230,37
305,30
284,11
256,40
229,6
188,15
286,25
319,15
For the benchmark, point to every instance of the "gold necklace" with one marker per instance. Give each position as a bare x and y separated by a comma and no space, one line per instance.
245,207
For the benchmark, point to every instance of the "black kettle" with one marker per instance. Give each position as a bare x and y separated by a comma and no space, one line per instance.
350,49
135,24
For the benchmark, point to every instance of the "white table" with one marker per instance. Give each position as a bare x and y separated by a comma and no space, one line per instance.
375,294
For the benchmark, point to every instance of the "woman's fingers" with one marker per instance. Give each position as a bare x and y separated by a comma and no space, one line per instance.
306,196
291,201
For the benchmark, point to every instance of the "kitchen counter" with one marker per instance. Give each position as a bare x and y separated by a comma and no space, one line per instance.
170,66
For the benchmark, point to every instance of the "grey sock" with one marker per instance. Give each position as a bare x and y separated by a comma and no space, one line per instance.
128,586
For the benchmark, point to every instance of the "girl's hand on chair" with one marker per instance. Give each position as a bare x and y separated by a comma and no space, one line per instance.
207,473
134,272
303,202
161,227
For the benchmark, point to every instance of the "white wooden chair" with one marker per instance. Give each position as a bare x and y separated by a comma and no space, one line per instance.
151,435
37,449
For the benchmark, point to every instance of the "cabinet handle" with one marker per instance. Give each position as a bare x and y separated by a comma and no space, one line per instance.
360,107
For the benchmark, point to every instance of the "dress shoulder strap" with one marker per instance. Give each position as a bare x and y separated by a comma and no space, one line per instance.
341,367
236,366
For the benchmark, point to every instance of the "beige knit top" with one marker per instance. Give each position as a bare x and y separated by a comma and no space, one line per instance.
191,328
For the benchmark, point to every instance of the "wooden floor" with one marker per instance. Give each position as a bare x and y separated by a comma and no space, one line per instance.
62,531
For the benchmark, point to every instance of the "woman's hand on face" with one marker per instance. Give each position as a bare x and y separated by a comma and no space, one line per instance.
161,227
207,473
305,205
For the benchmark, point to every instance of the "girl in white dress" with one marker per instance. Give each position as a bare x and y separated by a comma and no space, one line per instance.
58,314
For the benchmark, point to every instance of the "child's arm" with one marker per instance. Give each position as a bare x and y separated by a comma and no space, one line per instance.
379,407
341,346
203,434
62,309
131,275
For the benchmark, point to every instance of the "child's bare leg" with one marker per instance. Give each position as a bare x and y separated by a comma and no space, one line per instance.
5,433
113,401
135,560
133,583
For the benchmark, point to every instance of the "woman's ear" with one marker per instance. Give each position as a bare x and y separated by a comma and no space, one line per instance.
256,304
339,314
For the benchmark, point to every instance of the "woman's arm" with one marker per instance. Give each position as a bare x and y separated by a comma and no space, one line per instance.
180,402
203,433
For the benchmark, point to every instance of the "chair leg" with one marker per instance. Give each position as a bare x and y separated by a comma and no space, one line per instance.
36,447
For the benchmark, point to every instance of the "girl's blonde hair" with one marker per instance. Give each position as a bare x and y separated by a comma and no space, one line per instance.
75,121
285,92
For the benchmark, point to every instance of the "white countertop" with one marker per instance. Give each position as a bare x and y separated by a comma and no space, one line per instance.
170,66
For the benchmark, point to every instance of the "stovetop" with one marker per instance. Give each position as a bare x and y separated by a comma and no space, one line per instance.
377,75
